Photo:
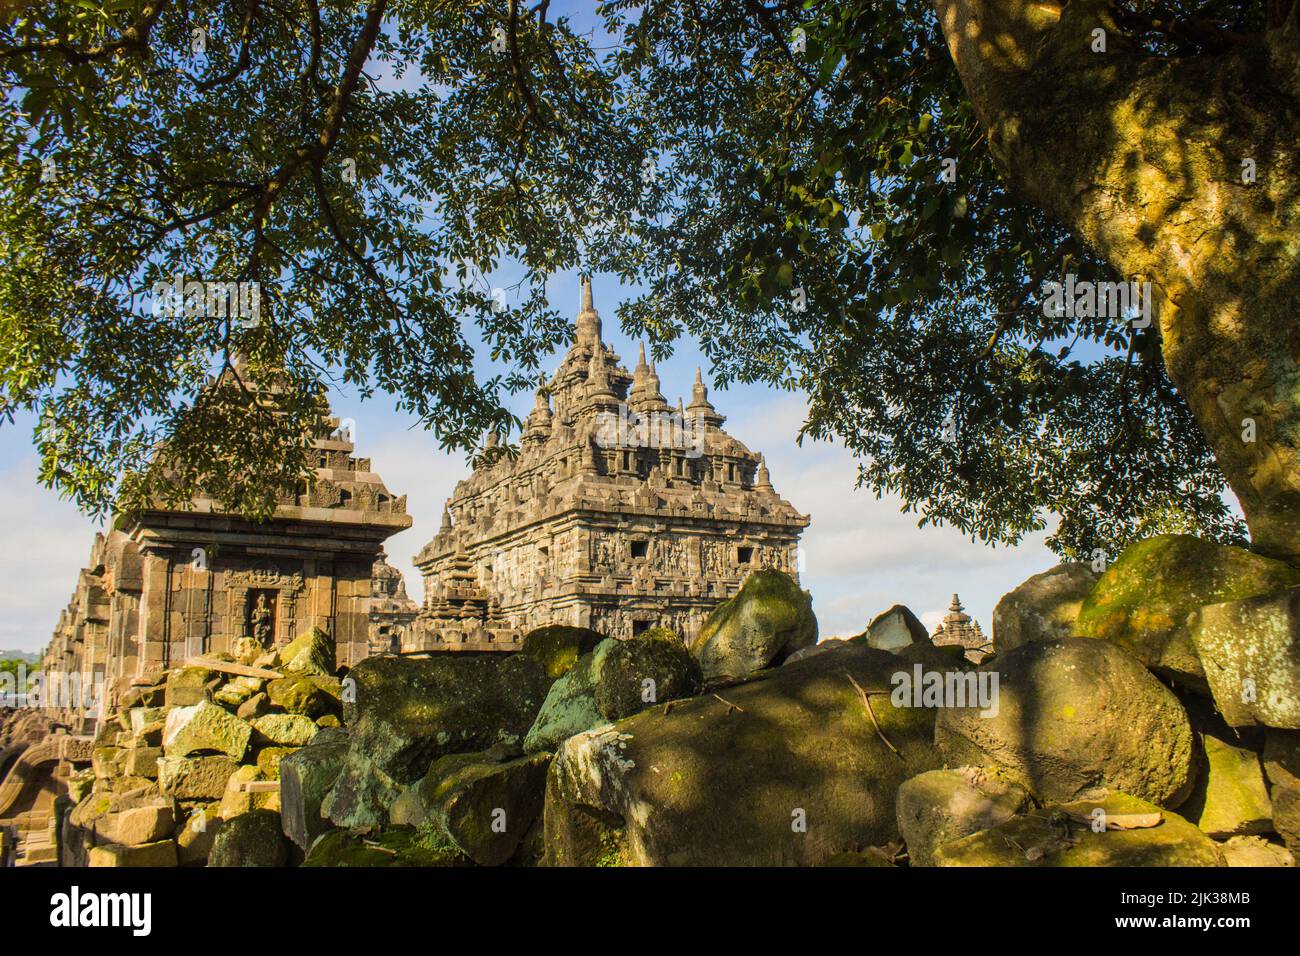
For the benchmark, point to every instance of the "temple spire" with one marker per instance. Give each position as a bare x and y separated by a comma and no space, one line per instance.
588,323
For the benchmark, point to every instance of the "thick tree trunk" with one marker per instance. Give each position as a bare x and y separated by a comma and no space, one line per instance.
1149,160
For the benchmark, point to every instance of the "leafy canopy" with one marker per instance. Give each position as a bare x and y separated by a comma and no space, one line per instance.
772,174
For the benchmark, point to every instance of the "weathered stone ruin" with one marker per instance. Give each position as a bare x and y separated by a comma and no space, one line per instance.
170,584
617,512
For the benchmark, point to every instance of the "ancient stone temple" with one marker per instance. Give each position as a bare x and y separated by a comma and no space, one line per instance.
615,511
960,628
392,612
165,585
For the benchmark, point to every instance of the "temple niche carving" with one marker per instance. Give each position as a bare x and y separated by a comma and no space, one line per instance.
165,585
616,511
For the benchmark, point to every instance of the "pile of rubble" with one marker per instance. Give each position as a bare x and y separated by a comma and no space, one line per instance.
187,771
1149,715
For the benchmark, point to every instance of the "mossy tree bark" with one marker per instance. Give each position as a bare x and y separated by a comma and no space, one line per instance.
1149,158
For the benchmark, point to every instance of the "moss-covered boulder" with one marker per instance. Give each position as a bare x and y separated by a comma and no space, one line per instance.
311,696
306,776
1230,797
1064,835
940,806
787,769
615,680
408,712
392,846
484,806
287,730
1251,653
1044,608
1143,601
310,654
250,839
1072,715
557,647
569,708
205,728
268,760
769,619
652,668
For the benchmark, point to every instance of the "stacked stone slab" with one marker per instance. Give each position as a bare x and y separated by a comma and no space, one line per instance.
185,758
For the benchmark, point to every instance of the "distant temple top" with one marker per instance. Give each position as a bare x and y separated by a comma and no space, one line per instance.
960,628
616,510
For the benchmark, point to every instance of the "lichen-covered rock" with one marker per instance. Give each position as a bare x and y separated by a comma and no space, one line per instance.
1281,757
557,647
895,629
1286,815
1143,601
205,728
268,760
615,680
288,730
769,619
1064,835
1044,608
1255,851
254,707
195,778
940,806
188,686
408,712
159,854
651,668
569,708
309,654
125,819
237,690
237,800
1230,797
821,647
306,776
786,769
1073,715
485,807
194,837
137,820
140,718
142,762
250,839
1251,653
393,846
312,696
